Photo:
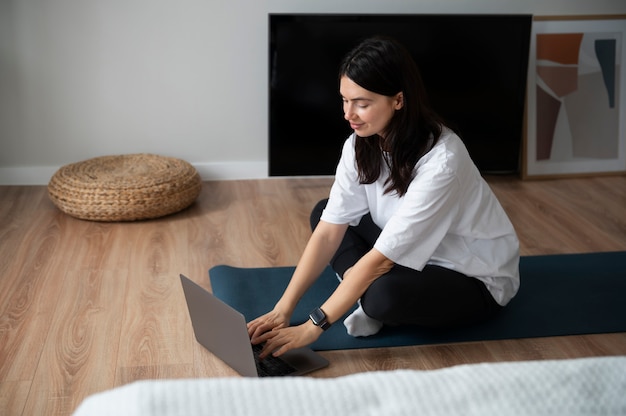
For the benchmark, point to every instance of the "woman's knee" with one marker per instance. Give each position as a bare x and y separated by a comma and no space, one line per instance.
381,301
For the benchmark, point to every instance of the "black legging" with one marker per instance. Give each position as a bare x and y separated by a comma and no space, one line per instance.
435,297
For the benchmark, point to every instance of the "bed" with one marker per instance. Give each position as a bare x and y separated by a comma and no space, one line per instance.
583,386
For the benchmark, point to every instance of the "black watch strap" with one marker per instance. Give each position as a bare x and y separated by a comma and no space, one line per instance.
318,317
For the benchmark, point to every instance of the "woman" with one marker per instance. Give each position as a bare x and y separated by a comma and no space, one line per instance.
410,227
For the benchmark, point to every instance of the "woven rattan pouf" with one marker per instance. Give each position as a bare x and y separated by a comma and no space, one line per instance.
125,187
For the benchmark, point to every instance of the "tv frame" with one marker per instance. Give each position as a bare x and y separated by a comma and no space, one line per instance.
293,153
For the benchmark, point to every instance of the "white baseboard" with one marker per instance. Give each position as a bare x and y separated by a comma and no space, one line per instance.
218,171
210,171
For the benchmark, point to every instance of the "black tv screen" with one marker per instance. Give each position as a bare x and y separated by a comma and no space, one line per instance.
474,68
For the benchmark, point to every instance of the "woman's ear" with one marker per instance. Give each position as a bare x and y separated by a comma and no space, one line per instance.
399,101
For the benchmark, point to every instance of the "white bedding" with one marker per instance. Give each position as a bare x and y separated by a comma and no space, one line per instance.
561,387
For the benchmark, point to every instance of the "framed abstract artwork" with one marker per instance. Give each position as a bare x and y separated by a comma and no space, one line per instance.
576,97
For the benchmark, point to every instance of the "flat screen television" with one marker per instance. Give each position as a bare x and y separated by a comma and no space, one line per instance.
474,68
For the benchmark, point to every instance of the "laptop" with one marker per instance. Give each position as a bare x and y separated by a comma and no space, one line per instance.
223,331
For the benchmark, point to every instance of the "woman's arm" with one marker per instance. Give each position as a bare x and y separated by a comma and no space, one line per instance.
355,282
321,247
317,254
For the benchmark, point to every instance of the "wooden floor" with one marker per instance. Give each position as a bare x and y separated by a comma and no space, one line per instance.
88,306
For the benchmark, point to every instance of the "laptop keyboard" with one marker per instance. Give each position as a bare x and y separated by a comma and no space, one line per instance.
270,366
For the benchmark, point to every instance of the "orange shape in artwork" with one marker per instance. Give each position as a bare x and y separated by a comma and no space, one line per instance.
561,80
559,47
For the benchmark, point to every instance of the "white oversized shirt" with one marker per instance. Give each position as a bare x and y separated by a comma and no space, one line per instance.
448,217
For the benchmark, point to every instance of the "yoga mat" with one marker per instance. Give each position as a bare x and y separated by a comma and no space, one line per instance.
565,294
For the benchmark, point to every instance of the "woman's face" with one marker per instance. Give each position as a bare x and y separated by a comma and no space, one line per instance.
369,113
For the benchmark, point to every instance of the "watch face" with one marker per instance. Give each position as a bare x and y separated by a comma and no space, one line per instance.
317,316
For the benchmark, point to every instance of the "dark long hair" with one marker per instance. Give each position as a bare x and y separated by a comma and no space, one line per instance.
384,66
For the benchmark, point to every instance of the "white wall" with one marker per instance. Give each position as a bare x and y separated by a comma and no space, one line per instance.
185,78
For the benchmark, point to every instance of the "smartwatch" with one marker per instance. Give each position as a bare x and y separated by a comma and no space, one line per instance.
318,317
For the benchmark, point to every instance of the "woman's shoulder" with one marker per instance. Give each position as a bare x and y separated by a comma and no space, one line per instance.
448,153
448,143
347,161
349,143
348,151
449,138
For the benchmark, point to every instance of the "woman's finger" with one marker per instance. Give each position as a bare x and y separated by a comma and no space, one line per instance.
274,340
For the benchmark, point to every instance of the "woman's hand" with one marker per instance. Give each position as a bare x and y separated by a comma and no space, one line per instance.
272,320
280,340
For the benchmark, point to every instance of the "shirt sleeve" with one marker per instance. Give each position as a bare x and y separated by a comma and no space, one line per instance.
347,202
